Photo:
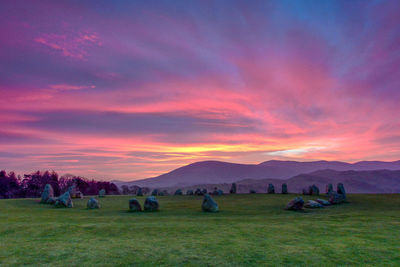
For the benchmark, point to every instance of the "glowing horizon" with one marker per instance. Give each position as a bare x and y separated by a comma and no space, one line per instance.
131,90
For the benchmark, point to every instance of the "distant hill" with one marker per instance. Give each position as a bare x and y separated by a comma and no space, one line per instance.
377,181
217,172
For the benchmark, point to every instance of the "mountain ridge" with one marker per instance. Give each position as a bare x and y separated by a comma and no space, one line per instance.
218,172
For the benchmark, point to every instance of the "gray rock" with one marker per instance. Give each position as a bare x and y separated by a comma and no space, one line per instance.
233,189
102,193
93,203
295,204
178,192
329,188
314,190
151,204
209,205
64,201
139,192
47,193
311,204
284,188
271,189
341,191
323,202
134,205
335,198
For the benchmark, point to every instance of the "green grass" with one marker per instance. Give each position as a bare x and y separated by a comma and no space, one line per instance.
250,230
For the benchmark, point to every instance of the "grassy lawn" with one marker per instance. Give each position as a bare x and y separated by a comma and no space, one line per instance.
250,230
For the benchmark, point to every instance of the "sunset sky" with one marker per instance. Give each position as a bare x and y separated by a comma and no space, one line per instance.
132,89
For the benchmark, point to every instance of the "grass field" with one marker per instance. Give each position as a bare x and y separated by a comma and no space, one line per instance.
250,230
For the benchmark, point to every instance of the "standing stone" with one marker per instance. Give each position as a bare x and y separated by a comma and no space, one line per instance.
102,193
48,192
134,205
284,188
295,204
323,202
151,204
64,201
189,192
341,191
311,204
93,203
233,189
139,192
178,192
154,192
328,189
209,205
271,189
335,198
314,190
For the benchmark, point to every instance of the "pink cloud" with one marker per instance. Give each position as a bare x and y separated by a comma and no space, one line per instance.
75,46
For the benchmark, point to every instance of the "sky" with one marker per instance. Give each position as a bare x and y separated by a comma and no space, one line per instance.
132,89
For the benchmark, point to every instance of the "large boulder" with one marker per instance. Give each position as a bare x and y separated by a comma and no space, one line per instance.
92,204
151,204
134,205
295,204
335,198
64,201
271,189
284,188
189,192
341,191
314,190
209,205
328,189
102,193
323,202
311,204
178,192
47,193
233,189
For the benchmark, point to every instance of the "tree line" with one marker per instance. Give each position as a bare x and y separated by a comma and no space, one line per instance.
32,185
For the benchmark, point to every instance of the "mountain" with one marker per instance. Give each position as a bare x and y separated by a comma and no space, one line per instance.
376,181
217,172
